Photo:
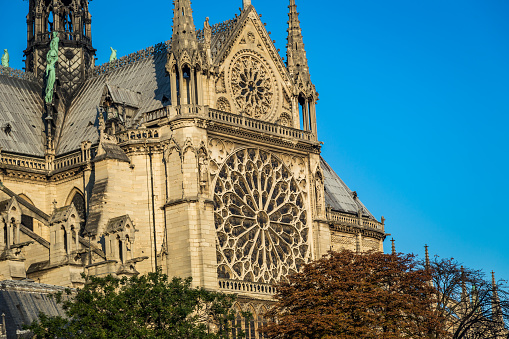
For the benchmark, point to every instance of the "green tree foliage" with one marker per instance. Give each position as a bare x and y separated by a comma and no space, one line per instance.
348,295
148,306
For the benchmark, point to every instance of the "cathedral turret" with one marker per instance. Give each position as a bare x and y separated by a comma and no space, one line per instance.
184,64
297,61
297,64
72,20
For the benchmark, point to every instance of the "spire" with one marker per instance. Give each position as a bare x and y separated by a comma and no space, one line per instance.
184,32
297,61
495,303
464,296
427,256
246,4
393,246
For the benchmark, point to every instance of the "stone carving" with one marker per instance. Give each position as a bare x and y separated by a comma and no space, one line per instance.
51,60
207,31
319,192
261,223
223,105
252,86
220,84
251,37
113,55
285,120
5,58
220,149
203,167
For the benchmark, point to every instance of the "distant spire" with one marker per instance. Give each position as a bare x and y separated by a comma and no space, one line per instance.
296,53
184,32
495,303
463,286
393,246
427,256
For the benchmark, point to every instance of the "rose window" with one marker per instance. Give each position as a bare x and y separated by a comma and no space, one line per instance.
261,224
252,86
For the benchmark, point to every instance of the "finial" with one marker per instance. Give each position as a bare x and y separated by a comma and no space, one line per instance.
493,281
393,246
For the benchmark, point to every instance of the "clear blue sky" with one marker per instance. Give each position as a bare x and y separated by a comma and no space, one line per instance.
413,110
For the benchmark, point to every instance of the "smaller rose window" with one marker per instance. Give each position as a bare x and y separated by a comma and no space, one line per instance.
252,86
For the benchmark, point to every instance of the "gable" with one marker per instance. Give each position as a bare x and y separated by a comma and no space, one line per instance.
252,79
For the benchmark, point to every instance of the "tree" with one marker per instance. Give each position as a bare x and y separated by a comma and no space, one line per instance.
349,295
471,306
148,306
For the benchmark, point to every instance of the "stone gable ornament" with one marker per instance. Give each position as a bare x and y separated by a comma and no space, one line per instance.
5,59
51,60
113,55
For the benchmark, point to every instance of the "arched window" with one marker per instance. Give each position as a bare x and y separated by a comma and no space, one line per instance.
50,21
261,321
249,324
66,246
303,113
186,75
120,250
76,198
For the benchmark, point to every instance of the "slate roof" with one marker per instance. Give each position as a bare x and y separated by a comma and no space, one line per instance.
118,224
22,301
21,105
121,95
338,196
146,76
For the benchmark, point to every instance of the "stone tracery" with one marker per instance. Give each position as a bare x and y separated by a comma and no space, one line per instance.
260,219
252,86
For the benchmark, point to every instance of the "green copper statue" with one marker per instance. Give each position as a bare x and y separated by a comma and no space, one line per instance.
5,59
51,60
113,55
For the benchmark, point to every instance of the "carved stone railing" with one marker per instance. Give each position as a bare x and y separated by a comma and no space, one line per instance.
69,160
141,134
21,161
16,73
131,58
260,126
350,220
238,286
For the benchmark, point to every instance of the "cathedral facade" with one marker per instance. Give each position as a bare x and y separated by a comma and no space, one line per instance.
198,155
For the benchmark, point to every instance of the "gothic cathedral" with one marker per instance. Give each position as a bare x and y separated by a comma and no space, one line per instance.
198,155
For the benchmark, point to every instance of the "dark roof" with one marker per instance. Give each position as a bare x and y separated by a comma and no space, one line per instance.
338,196
146,76
117,224
61,214
111,151
22,301
21,121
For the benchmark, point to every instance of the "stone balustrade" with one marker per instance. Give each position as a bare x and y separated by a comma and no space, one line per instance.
238,286
140,134
20,161
68,160
354,221
259,126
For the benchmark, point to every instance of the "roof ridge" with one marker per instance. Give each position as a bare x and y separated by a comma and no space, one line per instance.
19,74
130,59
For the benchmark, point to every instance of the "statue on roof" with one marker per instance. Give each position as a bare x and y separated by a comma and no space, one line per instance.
51,60
113,55
207,30
5,59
